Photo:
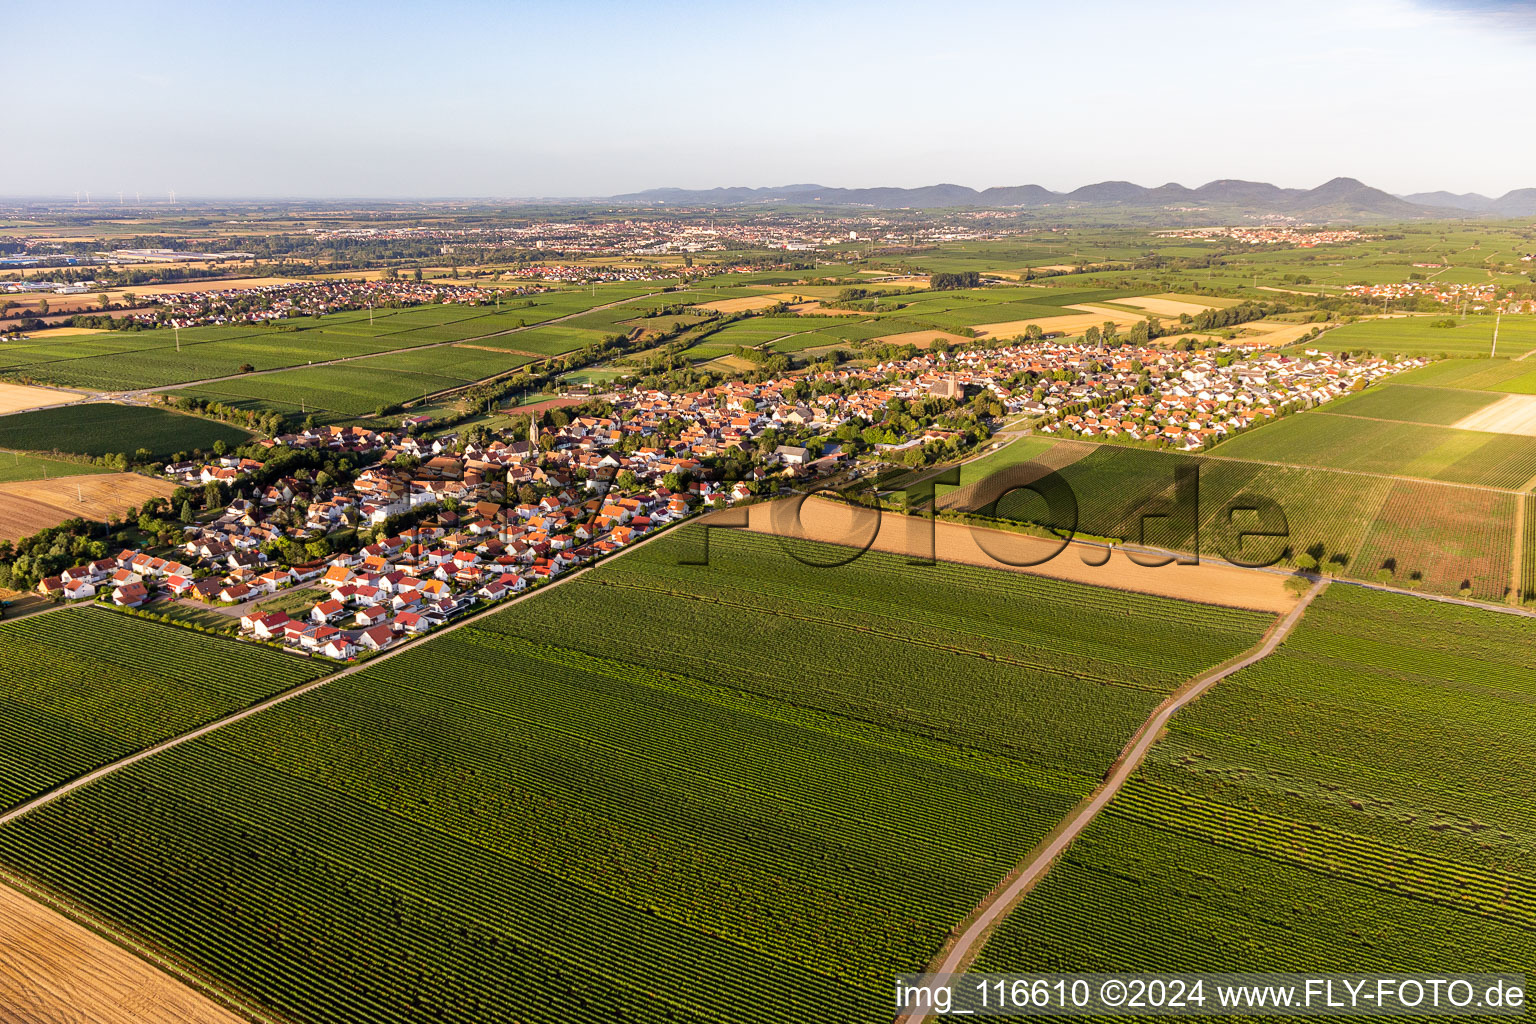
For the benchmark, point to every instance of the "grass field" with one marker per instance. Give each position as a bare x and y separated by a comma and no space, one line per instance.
1357,801
548,816
102,429
15,466
85,686
1326,440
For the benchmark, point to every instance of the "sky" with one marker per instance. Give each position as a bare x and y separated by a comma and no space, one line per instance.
508,99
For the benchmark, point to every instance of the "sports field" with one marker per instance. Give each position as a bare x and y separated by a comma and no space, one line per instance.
1356,802
550,800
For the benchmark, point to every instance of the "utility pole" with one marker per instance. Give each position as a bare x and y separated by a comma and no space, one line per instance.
178,339
1496,321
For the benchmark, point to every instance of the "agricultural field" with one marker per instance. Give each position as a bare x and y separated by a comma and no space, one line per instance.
1506,375
1409,404
86,686
1445,541
103,429
1528,552
1431,536
1415,336
27,506
1355,802
130,360
548,798
1320,438
15,467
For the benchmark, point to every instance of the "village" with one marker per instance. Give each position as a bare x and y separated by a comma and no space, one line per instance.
440,525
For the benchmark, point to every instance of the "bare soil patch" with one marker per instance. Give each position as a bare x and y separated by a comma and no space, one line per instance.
750,302
1514,414
835,523
55,971
1069,323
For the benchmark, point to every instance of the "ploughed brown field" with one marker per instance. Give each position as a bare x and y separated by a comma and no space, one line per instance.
31,505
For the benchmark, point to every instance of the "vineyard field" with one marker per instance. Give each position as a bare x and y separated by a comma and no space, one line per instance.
1441,406
1331,441
102,429
1444,540
1504,375
84,687
1415,336
549,816
1528,569
1350,803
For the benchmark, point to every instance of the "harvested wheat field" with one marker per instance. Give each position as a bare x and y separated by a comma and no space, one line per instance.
1161,306
1276,333
750,302
1514,414
815,308
48,333
20,397
1088,316
55,971
206,286
834,523
922,339
30,505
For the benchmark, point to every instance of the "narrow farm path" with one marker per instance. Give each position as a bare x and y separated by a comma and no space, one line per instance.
64,790
996,906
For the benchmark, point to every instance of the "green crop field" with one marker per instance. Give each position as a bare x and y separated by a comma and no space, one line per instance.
1356,802
1330,441
15,467
1441,406
1507,375
84,687
143,359
1528,547
1433,536
550,816
102,429
1414,336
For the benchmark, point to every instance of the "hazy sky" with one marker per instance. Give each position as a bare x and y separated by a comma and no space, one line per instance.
594,98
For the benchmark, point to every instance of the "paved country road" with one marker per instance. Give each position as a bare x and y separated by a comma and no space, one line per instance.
996,907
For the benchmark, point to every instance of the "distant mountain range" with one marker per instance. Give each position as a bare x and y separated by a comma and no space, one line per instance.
1342,199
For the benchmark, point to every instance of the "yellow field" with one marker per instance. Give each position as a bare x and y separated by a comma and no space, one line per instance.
1163,306
205,286
751,302
31,505
1210,582
922,339
19,398
1514,414
1069,324
1278,334
58,972
62,332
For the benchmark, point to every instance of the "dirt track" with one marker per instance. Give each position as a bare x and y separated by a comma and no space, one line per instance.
57,972
1212,583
